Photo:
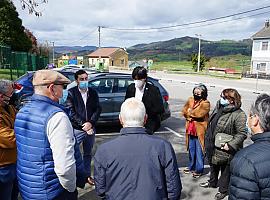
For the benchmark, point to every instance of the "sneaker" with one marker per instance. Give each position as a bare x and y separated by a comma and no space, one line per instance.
90,181
196,175
205,185
220,195
186,170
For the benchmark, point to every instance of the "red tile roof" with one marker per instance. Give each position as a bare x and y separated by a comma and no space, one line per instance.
104,52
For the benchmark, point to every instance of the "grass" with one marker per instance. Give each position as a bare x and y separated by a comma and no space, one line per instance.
239,63
5,74
173,66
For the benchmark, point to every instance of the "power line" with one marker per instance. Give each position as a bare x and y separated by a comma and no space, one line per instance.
220,22
188,24
85,36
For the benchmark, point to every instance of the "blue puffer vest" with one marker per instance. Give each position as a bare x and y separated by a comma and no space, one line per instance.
35,166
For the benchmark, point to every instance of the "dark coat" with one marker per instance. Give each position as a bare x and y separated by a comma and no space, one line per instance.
233,122
250,174
136,166
153,103
80,114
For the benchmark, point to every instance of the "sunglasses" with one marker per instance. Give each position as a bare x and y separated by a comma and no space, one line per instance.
63,85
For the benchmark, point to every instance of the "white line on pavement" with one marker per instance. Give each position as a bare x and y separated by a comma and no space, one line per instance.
107,134
174,132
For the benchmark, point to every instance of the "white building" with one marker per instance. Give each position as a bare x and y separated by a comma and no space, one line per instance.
260,60
109,56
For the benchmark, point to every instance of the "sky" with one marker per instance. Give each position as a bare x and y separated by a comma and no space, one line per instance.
75,22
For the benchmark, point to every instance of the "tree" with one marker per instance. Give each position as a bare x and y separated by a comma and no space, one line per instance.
194,61
32,6
11,30
33,39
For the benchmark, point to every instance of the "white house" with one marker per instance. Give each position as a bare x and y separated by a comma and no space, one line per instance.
260,61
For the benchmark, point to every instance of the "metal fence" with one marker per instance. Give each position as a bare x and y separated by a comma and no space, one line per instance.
13,64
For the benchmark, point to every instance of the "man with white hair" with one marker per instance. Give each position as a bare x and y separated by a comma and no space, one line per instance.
250,174
136,165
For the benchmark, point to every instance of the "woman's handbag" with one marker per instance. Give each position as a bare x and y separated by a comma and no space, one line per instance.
221,139
221,157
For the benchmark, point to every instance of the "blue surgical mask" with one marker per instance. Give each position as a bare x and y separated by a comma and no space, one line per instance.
224,102
83,84
249,131
63,99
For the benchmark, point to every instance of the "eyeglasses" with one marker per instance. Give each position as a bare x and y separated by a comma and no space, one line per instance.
64,86
251,116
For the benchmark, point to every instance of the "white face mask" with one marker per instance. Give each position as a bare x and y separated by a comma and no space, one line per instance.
139,83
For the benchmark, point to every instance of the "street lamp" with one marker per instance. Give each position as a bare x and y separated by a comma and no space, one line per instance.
199,51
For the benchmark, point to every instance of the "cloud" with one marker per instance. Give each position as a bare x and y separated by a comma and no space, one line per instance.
75,22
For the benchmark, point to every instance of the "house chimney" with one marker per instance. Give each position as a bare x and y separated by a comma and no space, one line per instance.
267,23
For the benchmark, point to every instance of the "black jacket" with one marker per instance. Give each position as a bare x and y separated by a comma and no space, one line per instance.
80,114
250,173
153,103
137,166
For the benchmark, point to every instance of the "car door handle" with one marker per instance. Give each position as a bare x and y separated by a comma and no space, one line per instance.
106,99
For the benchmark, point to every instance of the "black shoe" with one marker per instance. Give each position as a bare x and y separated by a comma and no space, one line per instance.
220,195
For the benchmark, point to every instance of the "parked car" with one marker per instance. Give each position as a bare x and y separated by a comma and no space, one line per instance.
111,88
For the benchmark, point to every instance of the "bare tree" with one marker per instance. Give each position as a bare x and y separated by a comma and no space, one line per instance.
32,6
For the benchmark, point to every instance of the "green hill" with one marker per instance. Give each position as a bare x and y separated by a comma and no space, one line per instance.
182,48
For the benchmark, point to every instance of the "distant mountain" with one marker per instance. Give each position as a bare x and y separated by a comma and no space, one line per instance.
73,49
182,48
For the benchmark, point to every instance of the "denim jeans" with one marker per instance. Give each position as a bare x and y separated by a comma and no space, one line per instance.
7,177
196,158
88,142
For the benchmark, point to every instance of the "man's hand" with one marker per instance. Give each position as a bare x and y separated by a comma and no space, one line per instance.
225,147
87,126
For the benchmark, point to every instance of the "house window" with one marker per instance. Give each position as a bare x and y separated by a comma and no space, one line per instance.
122,61
264,46
92,61
256,46
261,67
103,61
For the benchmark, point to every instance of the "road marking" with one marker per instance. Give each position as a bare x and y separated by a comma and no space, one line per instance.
107,134
174,132
158,132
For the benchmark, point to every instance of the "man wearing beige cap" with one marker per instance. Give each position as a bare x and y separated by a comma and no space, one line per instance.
46,166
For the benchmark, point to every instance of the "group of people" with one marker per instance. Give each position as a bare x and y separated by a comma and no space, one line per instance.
40,155
220,137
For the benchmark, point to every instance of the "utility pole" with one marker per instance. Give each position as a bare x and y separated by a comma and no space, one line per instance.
199,51
53,52
98,36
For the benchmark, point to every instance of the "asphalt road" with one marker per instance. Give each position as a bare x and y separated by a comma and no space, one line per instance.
180,88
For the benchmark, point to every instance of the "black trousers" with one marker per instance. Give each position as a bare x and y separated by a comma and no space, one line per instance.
223,181
152,125
66,195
